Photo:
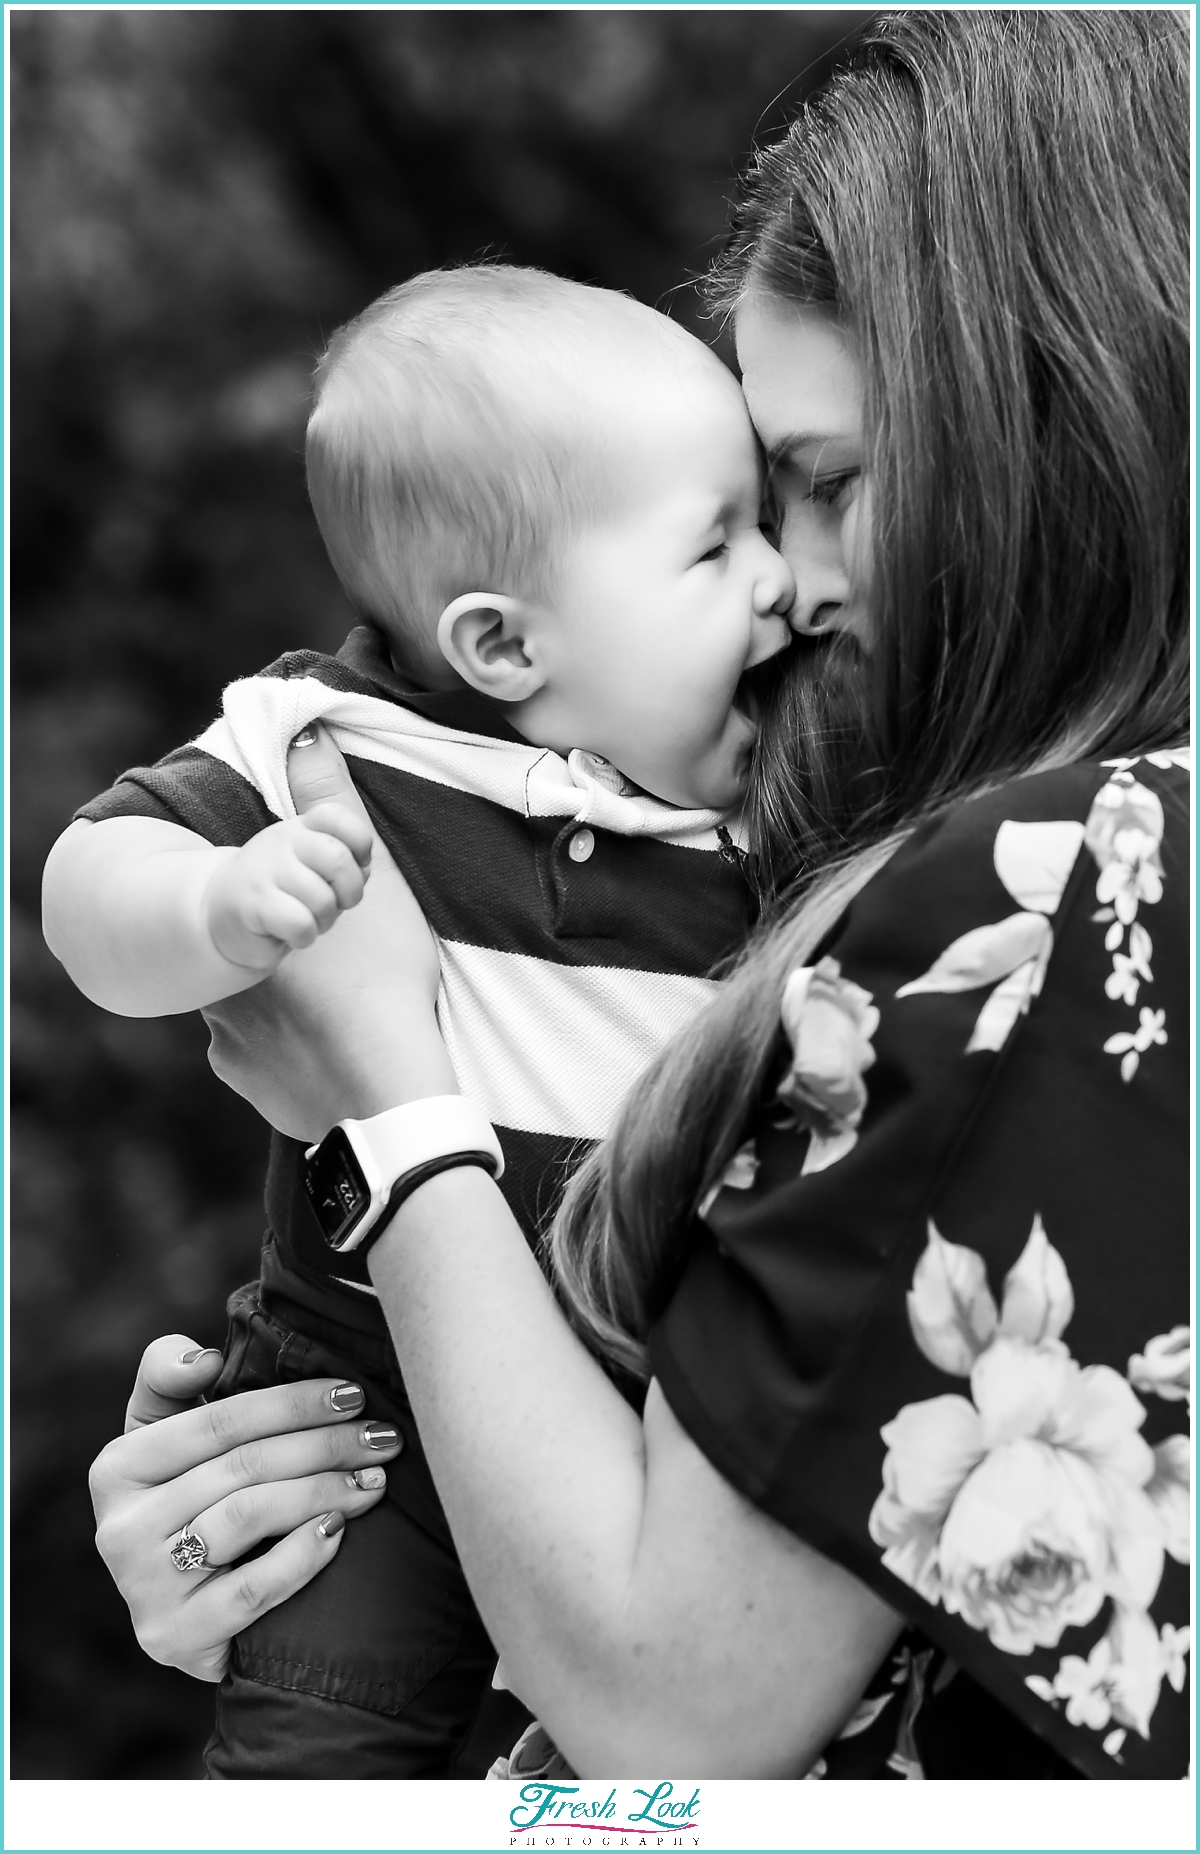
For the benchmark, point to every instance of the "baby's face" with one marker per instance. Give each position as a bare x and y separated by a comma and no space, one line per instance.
661,609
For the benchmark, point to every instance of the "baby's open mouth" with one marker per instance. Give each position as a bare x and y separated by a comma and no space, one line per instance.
756,686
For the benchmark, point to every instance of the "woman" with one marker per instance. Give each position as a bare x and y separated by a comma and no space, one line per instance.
897,1234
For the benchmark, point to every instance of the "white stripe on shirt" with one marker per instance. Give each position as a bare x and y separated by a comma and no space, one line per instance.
555,1049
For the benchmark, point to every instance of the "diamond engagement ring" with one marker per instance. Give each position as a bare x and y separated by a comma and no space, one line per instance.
189,1551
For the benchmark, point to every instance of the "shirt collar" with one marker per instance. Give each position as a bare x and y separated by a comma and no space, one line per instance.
365,652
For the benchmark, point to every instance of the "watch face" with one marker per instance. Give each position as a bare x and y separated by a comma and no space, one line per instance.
336,1187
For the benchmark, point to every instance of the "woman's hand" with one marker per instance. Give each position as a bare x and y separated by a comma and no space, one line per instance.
288,1464
348,1026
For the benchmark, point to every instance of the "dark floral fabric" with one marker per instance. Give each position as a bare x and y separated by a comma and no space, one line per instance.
937,1316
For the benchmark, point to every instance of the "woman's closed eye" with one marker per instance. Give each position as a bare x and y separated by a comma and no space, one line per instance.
833,488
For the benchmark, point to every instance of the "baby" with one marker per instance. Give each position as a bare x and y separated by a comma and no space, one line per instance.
544,500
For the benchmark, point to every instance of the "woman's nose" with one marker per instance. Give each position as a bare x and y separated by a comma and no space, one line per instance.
822,594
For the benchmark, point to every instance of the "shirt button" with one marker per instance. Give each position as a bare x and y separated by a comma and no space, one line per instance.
581,846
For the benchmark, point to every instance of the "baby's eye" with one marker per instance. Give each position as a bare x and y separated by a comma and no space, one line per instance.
715,553
832,491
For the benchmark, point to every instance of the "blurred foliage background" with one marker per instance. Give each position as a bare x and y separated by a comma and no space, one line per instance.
198,199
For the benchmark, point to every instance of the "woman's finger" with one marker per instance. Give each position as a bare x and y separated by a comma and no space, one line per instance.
242,1520
173,1375
194,1635
161,1451
317,772
266,1461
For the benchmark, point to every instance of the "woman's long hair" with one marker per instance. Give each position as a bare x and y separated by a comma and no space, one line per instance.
996,207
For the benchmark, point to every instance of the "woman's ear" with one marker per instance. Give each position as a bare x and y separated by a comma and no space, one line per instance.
485,637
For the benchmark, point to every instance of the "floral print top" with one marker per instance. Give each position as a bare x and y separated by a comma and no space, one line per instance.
937,1315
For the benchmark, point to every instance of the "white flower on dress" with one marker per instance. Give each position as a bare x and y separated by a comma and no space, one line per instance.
1033,861
1176,1645
1026,1507
1124,833
1131,1045
1170,1491
829,1023
1130,968
1120,1681
739,1175
1164,759
1165,1367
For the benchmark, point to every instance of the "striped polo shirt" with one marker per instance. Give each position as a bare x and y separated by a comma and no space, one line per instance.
578,920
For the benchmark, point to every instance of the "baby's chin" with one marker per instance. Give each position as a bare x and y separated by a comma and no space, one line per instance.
722,782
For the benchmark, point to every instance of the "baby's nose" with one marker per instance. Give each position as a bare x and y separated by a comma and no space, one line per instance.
775,589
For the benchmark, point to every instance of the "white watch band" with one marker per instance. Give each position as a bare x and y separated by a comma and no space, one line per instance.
404,1137
393,1154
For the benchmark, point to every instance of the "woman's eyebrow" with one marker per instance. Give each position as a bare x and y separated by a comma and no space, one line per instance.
794,441
801,440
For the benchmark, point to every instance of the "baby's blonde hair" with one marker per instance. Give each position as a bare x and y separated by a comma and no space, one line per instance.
453,445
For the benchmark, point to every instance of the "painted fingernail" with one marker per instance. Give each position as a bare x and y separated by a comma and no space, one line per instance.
329,1524
199,1351
346,1397
307,737
368,1479
380,1435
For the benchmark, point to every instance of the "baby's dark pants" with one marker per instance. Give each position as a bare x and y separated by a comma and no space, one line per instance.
380,1667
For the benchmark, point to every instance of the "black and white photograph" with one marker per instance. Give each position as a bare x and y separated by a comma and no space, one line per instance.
600,909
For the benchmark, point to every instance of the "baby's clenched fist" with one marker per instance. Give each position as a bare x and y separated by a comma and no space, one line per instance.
287,886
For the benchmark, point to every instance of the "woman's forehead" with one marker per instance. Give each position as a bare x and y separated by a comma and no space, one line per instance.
800,374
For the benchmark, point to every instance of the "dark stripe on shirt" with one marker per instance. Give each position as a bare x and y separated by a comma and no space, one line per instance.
635,904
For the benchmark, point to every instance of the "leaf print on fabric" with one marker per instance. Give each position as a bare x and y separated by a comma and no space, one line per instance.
950,1306
985,955
829,1022
1038,1299
1165,1367
1010,1000
1028,1507
864,1715
1034,862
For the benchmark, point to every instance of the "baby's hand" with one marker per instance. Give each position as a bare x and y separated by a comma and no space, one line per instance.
287,886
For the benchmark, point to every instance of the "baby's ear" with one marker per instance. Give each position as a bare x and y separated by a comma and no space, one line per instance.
484,637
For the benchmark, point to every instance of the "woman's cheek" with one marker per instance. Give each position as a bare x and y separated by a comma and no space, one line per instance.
856,539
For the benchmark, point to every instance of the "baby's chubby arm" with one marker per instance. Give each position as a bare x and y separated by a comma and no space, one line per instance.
150,919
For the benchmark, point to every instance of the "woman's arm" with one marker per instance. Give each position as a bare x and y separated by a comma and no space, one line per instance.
650,1615
644,1610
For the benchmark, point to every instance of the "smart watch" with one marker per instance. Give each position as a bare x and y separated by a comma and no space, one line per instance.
362,1171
